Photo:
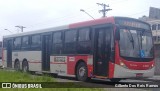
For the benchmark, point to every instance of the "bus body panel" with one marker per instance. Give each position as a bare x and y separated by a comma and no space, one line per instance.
4,59
111,69
58,65
121,72
33,58
66,65
137,65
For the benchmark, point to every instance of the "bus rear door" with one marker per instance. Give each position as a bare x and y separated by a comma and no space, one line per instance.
46,47
9,53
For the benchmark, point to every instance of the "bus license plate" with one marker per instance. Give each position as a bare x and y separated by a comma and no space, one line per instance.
139,75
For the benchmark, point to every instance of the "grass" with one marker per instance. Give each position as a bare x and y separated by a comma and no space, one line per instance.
15,76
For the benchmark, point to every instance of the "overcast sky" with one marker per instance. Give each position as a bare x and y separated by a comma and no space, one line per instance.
39,14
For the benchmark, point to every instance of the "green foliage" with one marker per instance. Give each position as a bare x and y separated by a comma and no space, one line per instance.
15,76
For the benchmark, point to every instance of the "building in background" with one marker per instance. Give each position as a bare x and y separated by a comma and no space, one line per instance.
154,13
154,20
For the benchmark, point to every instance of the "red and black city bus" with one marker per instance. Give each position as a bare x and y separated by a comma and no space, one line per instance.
110,47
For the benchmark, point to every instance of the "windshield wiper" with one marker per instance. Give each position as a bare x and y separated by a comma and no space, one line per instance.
130,38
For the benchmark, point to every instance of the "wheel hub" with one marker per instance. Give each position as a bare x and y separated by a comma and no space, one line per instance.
82,71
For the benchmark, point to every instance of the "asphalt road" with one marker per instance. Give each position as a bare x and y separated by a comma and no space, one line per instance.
110,86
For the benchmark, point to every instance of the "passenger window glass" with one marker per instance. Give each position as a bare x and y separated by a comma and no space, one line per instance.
84,34
57,37
70,36
17,42
25,41
36,40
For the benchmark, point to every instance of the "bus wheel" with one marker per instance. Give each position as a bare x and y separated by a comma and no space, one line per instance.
25,66
115,79
81,72
32,72
17,66
54,75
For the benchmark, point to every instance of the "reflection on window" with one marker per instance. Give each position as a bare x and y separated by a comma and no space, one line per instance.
84,34
25,41
144,40
57,43
154,27
57,37
70,42
70,36
36,40
17,43
147,44
133,41
129,43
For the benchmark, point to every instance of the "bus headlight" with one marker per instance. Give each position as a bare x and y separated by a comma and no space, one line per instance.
122,64
151,66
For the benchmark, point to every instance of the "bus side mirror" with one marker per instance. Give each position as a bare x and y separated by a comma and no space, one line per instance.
117,34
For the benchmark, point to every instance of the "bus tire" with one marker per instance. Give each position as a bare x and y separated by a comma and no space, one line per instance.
115,79
54,75
25,66
32,72
82,72
17,66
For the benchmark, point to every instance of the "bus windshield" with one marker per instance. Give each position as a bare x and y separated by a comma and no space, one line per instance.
136,43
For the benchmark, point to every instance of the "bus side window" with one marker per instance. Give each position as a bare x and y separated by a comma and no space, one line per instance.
36,42
84,43
70,41
57,43
17,43
25,42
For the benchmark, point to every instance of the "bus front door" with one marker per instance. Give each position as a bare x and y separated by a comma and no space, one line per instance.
46,40
9,53
102,51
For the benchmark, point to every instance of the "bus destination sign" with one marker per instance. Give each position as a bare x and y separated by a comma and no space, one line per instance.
132,23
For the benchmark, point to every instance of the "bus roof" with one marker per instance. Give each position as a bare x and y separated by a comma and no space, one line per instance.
37,31
70,26
92,22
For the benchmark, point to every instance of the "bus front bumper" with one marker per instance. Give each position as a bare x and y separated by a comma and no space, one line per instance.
121,72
